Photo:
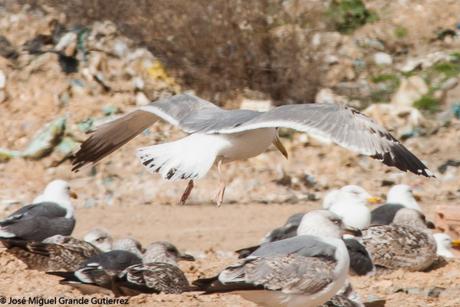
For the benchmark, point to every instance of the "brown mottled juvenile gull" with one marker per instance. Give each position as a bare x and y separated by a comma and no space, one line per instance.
54,253
306,270
124,273
98,273
163,251
50,214
217,135
407,243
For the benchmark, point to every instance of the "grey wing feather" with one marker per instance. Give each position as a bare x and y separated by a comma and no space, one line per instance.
38,222
340,124
289,274
288,230
47,209
111,136
307,246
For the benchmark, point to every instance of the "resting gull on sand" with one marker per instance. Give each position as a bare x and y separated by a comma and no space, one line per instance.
124,273
306,270
50,214
398,197
166,252
217,136
407,243
360,260
54,253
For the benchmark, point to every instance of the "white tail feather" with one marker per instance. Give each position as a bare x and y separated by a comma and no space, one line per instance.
6,234
187,158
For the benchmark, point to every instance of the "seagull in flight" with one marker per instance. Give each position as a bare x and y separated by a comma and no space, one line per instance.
217,136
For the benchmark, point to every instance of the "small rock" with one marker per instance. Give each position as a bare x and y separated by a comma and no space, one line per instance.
256,105
67,44
382,58
120,48
138,83
2,80
410,90
141,99
449,84
424,61
331,59
326,95
46,139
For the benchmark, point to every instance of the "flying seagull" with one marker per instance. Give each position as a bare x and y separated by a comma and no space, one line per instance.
50,214
217,136
306,270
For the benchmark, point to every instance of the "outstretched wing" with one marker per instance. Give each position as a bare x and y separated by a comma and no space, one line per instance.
340,124
111,136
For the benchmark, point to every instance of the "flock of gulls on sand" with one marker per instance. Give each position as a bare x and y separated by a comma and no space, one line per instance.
305,262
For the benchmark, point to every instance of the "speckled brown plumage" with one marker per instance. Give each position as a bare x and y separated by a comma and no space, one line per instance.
158,277
399,246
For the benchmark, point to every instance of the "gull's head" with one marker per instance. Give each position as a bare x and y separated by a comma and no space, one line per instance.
356,195
444,244
128,244
413,218
56,239
402,194
321,223
164,252
99,238
59,192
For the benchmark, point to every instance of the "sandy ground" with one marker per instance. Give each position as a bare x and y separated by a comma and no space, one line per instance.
211,233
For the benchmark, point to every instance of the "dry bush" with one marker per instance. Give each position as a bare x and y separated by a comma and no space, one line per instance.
220,47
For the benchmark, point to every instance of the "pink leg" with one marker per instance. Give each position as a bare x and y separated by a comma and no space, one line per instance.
220,195
186,193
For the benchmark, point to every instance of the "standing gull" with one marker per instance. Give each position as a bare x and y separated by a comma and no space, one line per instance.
306,270
407,243
398,197
50,214
217,136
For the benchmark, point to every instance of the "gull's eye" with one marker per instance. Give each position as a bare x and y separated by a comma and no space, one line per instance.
337,222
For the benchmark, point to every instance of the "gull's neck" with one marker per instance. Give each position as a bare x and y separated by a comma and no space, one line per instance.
60,198
407,201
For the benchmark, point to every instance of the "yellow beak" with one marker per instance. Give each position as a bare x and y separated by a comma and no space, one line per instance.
280,146
73,195
374,200
455,243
